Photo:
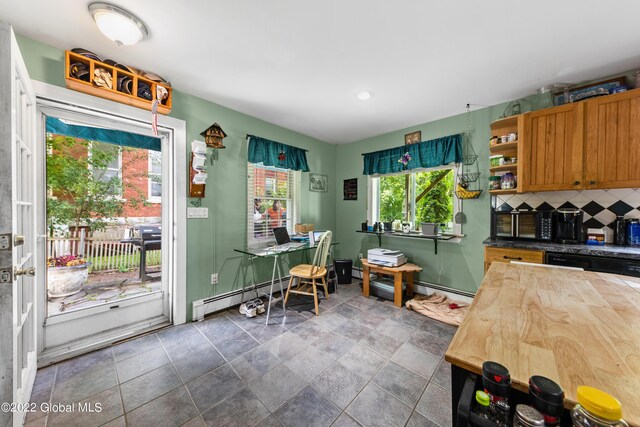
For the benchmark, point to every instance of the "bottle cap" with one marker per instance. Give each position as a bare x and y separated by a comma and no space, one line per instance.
548,397
599,403
482,398
496,379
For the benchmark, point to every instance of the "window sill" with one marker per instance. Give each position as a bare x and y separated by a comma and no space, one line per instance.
155,201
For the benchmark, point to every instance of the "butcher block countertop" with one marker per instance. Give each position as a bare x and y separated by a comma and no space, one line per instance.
575,327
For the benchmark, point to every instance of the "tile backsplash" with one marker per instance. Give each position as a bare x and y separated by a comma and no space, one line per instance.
600,207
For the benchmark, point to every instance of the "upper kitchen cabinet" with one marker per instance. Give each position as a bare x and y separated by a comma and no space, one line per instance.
612,143
552,149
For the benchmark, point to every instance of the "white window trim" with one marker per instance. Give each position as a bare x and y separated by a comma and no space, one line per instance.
293,205
150,198
373,191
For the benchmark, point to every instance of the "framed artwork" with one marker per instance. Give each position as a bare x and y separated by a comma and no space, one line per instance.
413,137
351,189
318,182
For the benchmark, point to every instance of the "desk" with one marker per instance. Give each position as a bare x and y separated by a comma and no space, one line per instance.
405,270
264,251
574,327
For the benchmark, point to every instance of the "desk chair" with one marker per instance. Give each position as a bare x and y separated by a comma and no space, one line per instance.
307,274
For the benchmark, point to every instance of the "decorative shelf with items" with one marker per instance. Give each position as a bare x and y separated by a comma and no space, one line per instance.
85,72
505,151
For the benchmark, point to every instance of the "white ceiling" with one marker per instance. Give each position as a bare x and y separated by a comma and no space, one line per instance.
300,64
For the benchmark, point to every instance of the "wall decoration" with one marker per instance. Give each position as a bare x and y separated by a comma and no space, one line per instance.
413,137
351,189
213,136
318,182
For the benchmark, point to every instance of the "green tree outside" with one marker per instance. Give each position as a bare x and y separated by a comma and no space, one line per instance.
436,206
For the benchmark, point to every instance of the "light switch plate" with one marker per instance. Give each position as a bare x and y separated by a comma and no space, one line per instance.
199,213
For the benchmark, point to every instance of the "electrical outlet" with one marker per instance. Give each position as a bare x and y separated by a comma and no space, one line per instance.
360,256
214,278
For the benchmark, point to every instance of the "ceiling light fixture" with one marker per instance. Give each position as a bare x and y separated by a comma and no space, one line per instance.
363,96
117,24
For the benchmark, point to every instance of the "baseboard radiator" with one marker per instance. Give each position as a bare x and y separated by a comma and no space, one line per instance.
206,306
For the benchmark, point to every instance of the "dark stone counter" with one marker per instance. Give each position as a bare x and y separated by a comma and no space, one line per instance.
611,251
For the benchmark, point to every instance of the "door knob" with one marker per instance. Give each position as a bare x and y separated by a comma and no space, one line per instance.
576,182
18,240
31,271
592,182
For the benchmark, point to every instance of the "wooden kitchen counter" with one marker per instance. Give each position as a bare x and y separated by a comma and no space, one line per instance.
574,327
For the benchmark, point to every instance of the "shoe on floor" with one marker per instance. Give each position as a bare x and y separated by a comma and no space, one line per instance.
250,309
248,306
259,305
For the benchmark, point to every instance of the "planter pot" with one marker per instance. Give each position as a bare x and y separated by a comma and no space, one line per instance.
65,281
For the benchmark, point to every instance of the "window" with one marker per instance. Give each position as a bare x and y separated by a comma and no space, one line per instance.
424,195
155,176
273,201
106,167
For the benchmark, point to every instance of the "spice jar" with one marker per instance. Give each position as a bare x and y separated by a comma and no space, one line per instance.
494,183
547,397
512,136
504,138
526,416
508,181
496,381
494,140
596,408
483,402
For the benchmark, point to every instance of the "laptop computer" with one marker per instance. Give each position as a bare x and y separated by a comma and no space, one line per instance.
283,240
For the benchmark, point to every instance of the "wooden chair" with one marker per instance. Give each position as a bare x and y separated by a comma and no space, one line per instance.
308,274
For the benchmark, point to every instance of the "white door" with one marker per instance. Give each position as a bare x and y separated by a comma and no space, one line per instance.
17,231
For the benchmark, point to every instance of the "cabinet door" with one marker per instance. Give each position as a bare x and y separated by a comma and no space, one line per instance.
613,141
551,156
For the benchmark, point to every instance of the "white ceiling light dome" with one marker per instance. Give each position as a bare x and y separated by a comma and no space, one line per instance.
365,95
117,24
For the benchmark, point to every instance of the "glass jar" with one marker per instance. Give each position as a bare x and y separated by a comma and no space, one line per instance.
596,408
526,416
545,97
508,181
494,183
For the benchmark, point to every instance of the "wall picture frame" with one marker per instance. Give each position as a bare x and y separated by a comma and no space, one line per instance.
351,189
318,183
413,137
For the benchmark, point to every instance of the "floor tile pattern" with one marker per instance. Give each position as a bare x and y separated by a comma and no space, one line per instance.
362,362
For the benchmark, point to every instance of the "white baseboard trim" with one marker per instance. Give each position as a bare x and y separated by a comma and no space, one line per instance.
206,306
426,288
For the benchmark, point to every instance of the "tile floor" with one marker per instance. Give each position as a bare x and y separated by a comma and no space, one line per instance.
361,362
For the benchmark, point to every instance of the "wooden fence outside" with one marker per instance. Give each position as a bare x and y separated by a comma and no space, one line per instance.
105,251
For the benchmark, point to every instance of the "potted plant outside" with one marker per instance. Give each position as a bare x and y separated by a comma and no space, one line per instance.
66,275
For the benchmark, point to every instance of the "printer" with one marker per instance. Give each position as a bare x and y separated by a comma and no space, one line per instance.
386,257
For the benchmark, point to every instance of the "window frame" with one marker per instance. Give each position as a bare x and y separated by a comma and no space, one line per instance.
150,198
373,195
120,195
293,203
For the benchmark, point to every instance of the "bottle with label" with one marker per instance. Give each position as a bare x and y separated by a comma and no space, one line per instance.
482,404
496,381
596,408
548,398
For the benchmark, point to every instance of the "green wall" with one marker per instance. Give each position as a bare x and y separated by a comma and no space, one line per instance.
210,242
457,265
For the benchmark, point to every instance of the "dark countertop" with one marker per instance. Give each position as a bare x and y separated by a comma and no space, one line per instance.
612,251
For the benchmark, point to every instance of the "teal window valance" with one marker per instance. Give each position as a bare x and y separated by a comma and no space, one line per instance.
425,154
110,136
272,153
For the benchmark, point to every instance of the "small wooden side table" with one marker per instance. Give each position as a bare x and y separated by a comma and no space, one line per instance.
405,270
